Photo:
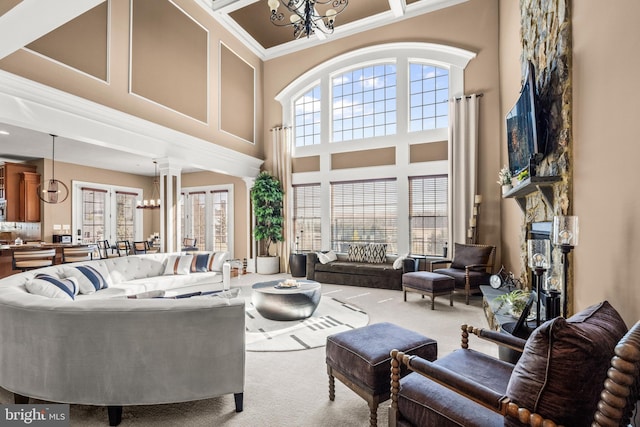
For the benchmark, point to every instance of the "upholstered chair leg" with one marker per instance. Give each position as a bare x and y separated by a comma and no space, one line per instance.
239,398
433,297
115,415
373,419
451,299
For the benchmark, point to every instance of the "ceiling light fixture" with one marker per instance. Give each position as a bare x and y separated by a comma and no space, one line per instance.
154,202
56,191
305,19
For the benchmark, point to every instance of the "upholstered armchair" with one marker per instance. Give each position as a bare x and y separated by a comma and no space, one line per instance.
472,266
582,371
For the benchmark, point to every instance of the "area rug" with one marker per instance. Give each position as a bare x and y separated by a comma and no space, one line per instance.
331,316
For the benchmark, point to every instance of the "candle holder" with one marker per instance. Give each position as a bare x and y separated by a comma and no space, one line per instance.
539,254
565,233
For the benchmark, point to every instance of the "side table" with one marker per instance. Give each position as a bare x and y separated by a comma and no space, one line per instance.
298,265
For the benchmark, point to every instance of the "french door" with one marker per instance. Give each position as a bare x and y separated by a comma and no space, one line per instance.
207,216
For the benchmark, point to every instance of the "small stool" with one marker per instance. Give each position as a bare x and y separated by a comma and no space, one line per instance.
361,359
427,283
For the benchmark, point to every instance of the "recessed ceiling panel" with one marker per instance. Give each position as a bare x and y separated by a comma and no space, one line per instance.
7,5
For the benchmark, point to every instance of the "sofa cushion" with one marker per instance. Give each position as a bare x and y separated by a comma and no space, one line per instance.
328,257
376,253
53,287
200,262
91,278
469,255
178,264
564,364
357,253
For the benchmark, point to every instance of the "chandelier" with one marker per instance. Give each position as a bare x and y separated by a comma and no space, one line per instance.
56,191
154,202
305,19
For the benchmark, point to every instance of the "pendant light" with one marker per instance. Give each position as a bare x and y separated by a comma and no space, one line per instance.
53,191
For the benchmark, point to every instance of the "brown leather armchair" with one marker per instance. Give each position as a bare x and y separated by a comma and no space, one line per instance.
472,266
582,371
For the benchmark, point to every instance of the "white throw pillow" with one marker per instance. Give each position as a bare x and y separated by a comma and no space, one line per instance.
178,264
327,258
397,264
52,287
91,278
216,261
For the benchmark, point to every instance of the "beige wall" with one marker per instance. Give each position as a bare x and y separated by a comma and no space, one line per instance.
472,26
605,61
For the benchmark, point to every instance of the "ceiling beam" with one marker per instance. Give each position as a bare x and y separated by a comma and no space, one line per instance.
42,18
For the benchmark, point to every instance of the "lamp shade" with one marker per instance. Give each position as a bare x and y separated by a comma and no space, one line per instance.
565,230
539,253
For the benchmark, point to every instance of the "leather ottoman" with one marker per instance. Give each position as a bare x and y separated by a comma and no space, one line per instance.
361,359
428,283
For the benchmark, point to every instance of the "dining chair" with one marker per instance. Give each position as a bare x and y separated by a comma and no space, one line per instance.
140,247
29,259
77,253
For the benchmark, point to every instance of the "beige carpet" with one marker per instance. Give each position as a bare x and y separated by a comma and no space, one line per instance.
291,388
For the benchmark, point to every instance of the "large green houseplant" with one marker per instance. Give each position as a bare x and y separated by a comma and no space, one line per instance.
267,196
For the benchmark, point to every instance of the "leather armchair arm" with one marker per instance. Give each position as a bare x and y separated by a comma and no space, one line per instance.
477,266
440,261
409,265
458,383
498,338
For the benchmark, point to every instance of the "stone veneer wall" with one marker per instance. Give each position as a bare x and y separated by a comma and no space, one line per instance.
546,42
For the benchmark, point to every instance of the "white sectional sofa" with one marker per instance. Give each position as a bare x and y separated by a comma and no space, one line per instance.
109,349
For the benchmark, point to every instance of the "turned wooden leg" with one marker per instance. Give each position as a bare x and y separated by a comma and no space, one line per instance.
115,415
373,419
239,398
19,399
332,386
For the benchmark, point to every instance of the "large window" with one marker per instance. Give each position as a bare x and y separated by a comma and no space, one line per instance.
307,219
307,118
364,212
364,103
206,217
429,97
93,219
125,215
428,214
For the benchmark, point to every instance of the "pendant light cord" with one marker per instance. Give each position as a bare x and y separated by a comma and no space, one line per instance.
53,158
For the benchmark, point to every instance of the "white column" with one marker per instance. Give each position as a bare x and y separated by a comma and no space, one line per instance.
170,187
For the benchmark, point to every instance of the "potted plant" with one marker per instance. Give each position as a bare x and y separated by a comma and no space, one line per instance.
267,196
504,179
516,301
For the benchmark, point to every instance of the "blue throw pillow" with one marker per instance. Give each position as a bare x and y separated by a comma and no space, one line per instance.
52,287
90,278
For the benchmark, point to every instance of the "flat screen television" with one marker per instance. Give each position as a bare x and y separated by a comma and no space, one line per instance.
522,128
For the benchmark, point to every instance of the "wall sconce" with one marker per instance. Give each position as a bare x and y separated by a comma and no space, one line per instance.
565,234
539,254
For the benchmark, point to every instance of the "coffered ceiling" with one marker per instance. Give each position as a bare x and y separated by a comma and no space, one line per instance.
249,21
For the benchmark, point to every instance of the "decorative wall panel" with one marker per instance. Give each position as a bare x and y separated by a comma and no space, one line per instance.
361,159
237,95
169,57
88,53
428,152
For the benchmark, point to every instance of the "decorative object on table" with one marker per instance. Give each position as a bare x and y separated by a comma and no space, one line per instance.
539,254
515,301
288,283
565,233
154,202
267,198
306,18
504,278
56,191
523,175
504,179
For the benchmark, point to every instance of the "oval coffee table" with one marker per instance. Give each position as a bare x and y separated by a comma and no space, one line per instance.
277,303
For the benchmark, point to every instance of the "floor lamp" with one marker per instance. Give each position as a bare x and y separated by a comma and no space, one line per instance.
565,235
539,253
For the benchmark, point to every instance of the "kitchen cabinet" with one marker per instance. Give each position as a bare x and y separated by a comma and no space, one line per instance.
20,191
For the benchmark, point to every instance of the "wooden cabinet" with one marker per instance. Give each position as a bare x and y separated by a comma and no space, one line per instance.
29,208
20,191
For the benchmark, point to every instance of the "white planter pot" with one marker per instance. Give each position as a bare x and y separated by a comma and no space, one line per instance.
506,188
268,264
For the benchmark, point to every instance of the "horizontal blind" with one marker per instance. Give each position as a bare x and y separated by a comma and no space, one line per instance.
307,218
428,214
364,212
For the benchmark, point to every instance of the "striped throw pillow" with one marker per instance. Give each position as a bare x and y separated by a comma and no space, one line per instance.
216,261
200,262
91,278
178,264
52,287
